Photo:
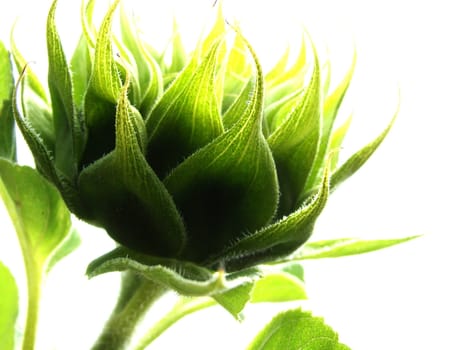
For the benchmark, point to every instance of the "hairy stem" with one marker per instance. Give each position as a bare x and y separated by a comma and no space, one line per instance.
122,323
183,308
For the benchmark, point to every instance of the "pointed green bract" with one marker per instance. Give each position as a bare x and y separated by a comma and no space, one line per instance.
297,329
237,73
179,127
69,129
9,306
125,194
336,141
34,100
295,143
102,94
331,107
80,67
228,187
149,76
7,128
185,278
336,248
359,158
278,239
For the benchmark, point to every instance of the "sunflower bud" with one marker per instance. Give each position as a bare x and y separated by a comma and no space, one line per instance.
206,160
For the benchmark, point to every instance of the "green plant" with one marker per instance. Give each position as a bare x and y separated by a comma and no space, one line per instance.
208,173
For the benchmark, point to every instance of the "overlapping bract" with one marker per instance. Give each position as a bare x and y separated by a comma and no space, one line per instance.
199,158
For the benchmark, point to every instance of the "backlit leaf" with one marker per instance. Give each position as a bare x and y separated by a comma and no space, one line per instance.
9,303
278,287
297,329
41,219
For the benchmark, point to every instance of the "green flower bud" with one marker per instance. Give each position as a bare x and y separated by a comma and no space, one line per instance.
205,160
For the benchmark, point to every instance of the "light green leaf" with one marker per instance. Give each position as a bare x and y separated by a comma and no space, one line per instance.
7,123
125,195
279,239
68,127
360,157
185,278
336,248
41,219
234,300
102,94
295,143
278,287
296,329
180,126
9,303
232,179
294,269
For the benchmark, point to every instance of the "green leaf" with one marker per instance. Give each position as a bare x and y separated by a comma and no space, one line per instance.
182,124
7,123
102,94
279,239
41,219
278,287
126,197
360,157
336,248
296,329
295,143
185,278
68,127
232,179
234,300
9,303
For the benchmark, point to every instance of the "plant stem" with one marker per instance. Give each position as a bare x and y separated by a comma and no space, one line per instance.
34,284
121,325
183,308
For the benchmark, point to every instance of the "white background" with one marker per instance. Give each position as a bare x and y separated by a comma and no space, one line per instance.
407,297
